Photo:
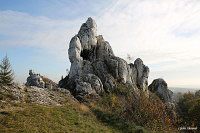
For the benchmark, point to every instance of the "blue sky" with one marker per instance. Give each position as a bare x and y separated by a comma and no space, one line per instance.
25,18
56,9
35,34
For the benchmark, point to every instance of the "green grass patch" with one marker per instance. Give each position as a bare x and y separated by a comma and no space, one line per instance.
37,118
114,121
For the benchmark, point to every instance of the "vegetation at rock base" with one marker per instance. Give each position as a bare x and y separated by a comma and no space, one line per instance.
47,80
150,113
6,98
117,111
6,72
188,108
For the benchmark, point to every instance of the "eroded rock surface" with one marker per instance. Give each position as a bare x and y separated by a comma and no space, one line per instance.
35,80
17,93
40,81
95,68
160,88
47,97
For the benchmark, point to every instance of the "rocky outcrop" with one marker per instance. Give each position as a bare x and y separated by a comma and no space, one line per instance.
48,97
35,80
49,84
17,93
159,87
40,81
95,68
89,84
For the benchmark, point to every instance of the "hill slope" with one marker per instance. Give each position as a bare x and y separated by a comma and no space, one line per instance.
70,116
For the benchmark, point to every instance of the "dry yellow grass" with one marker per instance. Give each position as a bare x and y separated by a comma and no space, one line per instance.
84,108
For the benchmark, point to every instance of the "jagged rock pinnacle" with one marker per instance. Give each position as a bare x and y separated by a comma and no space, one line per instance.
95,68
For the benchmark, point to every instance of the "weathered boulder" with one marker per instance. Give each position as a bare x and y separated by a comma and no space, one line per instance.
159,87
40,81
95,68
89,84
35,80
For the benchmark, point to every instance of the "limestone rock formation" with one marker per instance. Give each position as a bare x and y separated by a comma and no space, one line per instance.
35,80
47,97
17,93
95,68
40,81
16,89
159,87
89,84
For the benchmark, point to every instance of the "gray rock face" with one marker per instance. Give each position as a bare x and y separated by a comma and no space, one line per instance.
48,86
22,94
15,89
40,81
159,87
89,84
87,34
46,97
95,68
35,80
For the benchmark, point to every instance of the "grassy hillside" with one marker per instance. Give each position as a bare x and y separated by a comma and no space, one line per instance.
72,117
35,118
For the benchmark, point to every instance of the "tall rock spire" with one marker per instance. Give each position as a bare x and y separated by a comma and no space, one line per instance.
95,68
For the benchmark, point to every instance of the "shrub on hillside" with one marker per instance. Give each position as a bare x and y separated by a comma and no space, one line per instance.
147,112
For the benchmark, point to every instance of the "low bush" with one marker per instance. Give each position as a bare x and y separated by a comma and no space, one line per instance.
149,112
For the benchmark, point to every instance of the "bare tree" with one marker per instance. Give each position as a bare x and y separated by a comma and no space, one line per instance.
129,58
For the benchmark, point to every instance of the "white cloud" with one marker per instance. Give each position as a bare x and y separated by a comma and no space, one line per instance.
50,35
165,34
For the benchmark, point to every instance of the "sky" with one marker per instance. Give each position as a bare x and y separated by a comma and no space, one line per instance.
165,34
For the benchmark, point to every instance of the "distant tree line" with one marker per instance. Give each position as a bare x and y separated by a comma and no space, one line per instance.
188,108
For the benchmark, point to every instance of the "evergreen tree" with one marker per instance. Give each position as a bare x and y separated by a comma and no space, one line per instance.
6,72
